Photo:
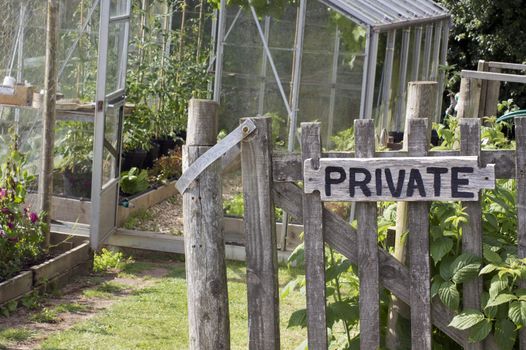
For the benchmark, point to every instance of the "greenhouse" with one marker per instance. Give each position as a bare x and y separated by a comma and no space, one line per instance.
331,61
91,57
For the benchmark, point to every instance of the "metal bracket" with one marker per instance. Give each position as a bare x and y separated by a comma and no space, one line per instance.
213,154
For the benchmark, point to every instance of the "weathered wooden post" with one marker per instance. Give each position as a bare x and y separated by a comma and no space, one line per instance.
469,100
45,182
314,244
520,168
260,231
204,244
470,91
420,99
489,91
368,260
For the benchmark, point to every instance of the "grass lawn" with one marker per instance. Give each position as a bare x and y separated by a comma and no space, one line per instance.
155,316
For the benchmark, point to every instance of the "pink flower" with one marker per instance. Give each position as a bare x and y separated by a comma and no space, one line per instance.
6,211
3,192
33,217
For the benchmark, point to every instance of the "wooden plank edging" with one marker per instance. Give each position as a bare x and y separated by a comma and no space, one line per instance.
46,271
38,276
16,287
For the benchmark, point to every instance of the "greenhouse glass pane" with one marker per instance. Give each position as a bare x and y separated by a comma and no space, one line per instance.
118,7
116,49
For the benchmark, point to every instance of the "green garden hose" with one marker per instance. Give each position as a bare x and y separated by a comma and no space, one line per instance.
521,113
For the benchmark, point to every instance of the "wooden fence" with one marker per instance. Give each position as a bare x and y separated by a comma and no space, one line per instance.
272,180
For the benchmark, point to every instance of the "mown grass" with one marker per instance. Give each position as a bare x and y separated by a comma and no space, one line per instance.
10,335
155,317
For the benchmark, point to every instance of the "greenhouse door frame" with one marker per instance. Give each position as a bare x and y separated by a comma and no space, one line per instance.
105,192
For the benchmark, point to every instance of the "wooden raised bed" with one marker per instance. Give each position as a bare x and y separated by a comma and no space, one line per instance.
52,273
79,211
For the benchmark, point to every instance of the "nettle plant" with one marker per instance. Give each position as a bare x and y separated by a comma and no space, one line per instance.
21,230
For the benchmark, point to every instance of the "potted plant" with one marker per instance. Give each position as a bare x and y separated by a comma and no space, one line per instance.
136,138
74,150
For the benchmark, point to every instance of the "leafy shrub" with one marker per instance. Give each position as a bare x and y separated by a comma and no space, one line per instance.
134,181
108,260
21,230
236,207
167,167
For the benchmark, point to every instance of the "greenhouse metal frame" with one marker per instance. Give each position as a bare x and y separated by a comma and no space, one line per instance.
418,29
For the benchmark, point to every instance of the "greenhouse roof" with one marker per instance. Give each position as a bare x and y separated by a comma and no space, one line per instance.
389,14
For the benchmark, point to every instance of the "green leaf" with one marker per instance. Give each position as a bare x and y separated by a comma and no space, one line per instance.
488,269
297,256
466,319
440,247
517,312
463,260
303,346
288,288
491,256
336,270
480,331
466,273
497,285
445,268
449,295
501,299
345,311
298,319
437,282
505,334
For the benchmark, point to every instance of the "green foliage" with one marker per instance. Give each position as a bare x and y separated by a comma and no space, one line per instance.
74,146
46,315
344,140
21,230
108,260
161,81
235,206
134,181
167,167
342,287
491,30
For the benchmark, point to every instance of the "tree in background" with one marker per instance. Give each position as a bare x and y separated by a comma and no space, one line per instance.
490,30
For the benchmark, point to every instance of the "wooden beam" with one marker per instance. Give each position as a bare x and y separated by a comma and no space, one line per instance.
261,244
366,214
314,245
289,168
491,76
520,135
208,316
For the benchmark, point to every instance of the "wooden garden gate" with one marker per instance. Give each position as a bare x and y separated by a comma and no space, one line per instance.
275,180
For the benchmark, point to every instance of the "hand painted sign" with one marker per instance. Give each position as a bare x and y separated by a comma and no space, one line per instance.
398,179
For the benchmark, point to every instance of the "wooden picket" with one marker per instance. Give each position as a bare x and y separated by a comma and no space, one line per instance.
271,179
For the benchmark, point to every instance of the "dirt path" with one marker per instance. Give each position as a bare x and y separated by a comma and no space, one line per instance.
76,295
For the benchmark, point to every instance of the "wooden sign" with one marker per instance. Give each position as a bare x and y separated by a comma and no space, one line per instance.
398,179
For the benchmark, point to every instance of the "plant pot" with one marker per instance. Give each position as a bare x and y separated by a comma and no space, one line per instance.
77,184
180,137
166,144
132,159
152,155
